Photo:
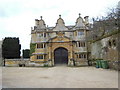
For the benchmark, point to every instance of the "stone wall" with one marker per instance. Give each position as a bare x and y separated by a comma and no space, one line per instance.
17,62
107,49
24,63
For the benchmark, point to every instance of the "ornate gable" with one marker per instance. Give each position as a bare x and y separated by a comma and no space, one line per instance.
60,25
79,23
60,37
41,24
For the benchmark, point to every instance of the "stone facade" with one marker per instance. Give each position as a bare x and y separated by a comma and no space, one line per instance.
48,39
107,49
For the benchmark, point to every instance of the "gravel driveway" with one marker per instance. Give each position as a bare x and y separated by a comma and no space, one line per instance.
59,77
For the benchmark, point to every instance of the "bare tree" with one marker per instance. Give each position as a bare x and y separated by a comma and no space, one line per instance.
105,25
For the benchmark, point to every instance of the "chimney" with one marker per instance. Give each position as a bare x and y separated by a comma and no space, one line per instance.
31,28
36,22
86,19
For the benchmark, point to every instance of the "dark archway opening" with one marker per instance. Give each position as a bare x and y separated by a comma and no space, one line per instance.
60,56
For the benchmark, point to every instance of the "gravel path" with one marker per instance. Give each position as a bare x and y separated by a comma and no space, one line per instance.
59,77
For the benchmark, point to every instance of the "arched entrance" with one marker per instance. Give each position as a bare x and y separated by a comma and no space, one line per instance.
60,56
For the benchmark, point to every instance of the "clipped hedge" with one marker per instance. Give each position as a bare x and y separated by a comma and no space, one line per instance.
26,53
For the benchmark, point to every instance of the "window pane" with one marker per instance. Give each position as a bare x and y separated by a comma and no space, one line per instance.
77,55
109,43
44,45
83,44
44,34
41,35
39,56
84,55
79,44
80,33
40,45
114,42
80,56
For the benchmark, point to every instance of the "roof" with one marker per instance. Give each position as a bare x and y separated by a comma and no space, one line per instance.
60,25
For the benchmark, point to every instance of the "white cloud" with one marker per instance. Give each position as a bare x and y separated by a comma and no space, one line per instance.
17,16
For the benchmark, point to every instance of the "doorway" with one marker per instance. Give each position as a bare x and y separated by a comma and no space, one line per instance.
60,56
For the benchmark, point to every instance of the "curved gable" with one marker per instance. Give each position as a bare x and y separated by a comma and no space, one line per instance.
60,25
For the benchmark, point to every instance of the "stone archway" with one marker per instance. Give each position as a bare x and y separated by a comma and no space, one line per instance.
60,56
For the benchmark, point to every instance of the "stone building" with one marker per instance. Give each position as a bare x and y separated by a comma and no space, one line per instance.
60,44
107,49
105,40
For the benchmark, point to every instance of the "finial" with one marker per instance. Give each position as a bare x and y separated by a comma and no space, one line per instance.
79,14
41,17
59,16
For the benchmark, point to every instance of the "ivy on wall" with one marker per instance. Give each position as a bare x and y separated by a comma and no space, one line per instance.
32,48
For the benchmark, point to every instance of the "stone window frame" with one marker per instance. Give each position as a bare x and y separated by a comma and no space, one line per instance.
114,42
74,33
109,43
80,33
48,34
40,56
43,34
82,56
81,44
41,45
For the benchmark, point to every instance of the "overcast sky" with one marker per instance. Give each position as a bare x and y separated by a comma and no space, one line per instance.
18,16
